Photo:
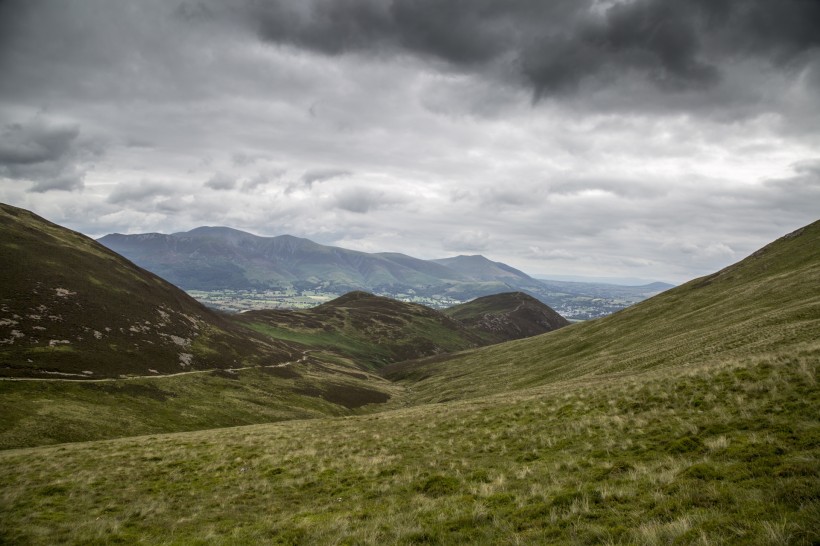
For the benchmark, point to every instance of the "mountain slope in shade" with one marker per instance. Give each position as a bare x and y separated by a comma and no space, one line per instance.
508,316
753,308
70,307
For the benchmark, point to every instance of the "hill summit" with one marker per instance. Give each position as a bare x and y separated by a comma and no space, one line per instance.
503,317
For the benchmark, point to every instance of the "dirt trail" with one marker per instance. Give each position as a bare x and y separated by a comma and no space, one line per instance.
303,358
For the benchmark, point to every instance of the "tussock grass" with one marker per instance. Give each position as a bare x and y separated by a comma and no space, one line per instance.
625,459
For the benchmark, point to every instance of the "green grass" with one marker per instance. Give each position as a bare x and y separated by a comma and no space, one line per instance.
714,454
363,351
48,412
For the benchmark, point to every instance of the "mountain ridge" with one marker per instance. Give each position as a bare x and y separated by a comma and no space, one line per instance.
251,261
215,258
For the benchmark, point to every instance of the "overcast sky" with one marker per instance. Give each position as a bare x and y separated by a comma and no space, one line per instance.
659,139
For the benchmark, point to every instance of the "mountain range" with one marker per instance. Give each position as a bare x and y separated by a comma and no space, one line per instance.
225,258
221,258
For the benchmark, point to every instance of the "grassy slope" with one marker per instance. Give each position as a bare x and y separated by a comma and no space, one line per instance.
712,454
49,412
767,301
371,329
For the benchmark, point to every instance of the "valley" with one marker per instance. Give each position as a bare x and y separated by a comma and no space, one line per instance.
236,301
688,418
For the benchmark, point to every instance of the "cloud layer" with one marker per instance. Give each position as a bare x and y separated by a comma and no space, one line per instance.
648,138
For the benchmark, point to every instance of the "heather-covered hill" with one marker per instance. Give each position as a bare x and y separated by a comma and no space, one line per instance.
507,316
376,331
70,307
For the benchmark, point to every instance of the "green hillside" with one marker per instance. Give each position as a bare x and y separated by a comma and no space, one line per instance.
767,302
718,453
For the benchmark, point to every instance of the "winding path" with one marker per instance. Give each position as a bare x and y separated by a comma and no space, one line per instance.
87,379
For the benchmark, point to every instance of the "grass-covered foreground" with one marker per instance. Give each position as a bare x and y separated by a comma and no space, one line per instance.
726,452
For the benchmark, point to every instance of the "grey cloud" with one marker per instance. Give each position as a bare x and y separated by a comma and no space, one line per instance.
241,159
656,38
135,192
540,253
63,181
456,31
35,143
800,192
361,200
629,189
221,181
252,183
49,155
467,241
322,175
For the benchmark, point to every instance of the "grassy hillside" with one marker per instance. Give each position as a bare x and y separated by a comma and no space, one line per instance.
45,412
373,330
507,316
764,303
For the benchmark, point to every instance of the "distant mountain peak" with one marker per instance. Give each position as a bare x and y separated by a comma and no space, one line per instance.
214,231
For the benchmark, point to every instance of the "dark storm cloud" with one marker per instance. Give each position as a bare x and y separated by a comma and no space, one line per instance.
557,46
47,154
35,143
456,31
